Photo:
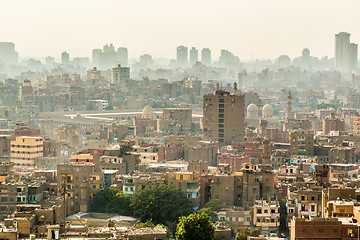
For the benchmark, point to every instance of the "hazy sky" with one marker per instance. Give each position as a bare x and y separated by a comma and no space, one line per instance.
259,28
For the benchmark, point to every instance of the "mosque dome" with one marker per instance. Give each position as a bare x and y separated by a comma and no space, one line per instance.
148,112
267,111
252,111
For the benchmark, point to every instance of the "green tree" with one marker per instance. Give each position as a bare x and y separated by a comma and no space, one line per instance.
111,200
213,204
162,204
208,211
195,226
245,232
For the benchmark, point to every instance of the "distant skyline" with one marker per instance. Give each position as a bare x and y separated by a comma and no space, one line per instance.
250,29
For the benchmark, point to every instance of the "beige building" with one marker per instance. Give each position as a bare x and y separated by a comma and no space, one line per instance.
82,183
302,143
25,149
224,117
266,215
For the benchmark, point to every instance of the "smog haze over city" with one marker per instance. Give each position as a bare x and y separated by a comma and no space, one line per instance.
180,120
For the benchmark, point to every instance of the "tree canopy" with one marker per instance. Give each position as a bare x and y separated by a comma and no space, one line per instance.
208,211
213,204
245,232
111,200
161,204
195,226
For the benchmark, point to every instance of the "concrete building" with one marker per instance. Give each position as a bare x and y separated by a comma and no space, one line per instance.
194,56
8,53
65,58
119,75
24,151
333,125
12,195
206,56
122,55
353,57
176,120
82,182
182,56
266,215
345,53
187,182
356,127
302,143
224,116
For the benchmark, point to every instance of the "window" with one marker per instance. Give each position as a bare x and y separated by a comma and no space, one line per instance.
312,198
312,208
258,211
273,211
302,198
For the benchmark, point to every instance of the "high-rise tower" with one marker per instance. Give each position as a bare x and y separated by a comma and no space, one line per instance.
182,56
224,116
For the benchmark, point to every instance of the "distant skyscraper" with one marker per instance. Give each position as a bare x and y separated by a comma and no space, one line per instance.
65,58
342,49
8,53
194,56
96,57
107,57
146,60
206,56
305,58
182,56
353,57
227,57
122,55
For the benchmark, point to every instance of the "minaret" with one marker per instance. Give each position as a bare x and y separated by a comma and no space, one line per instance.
266,154
289,114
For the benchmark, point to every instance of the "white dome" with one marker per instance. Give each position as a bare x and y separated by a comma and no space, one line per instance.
148,112
252,111
267,111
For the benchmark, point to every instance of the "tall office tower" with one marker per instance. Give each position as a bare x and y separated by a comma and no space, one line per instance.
206,56
342,45
305,58
122,55
194,56
119,75
228,57
182,56
353,57
65,58
224,116
8,53
95,58
107,57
